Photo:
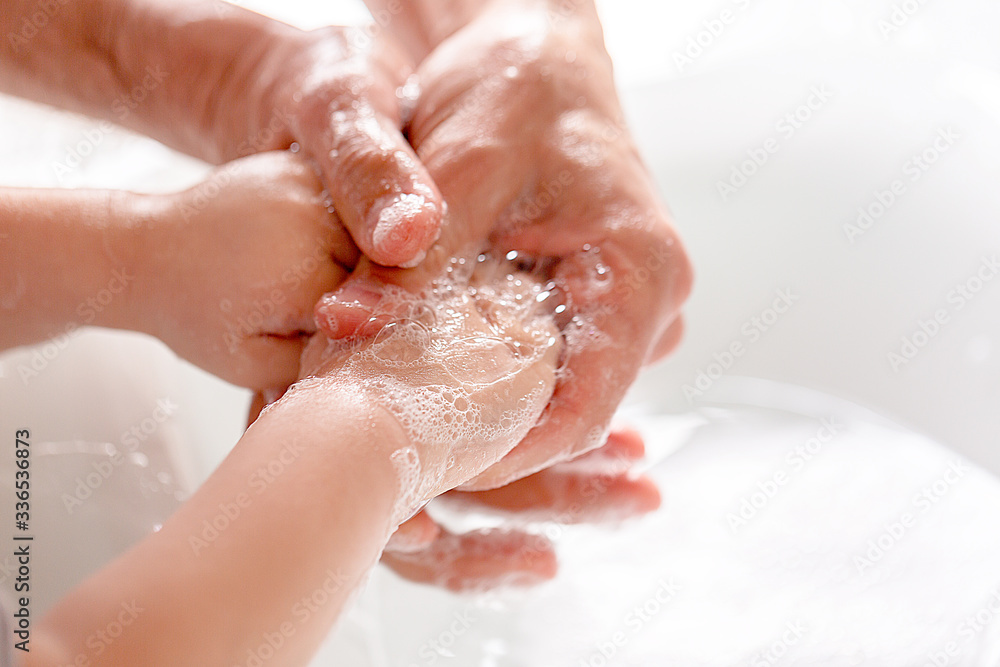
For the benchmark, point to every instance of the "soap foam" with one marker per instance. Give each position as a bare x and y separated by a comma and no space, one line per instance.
461,367
454,363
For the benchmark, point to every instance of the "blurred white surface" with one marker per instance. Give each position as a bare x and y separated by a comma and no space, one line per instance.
798,531
783,230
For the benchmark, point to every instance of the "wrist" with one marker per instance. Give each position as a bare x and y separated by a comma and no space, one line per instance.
417,467
341,418
144,252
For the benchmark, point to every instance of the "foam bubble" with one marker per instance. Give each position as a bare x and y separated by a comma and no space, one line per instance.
465,367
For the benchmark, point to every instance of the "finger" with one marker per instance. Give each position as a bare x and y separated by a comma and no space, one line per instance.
353,305
668,342
342,313
478,561
378,186
415,534
623,448
564,496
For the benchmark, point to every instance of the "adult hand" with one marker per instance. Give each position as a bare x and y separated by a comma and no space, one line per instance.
519,125
220,82
598,487
342,95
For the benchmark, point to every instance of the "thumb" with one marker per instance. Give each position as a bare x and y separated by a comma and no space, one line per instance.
378,186
351,309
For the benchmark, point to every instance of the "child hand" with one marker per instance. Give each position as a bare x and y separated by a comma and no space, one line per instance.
465,369
233,267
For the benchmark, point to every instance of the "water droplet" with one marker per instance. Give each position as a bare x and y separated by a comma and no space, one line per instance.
401,342
510,72
294,147
512,255
571,56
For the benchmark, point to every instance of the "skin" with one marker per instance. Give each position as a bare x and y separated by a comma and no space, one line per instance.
163,68
563,121
553,78
334,433
281,85
218,279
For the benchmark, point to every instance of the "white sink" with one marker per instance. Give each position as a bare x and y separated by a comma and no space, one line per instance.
789,583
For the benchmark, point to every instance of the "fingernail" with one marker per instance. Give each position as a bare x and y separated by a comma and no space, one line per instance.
326,320
397,228
355,292
339,314
417,259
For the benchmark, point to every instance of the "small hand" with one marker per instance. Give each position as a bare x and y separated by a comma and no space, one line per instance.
465,367
234,267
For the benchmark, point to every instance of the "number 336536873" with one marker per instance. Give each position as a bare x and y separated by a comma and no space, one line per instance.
22,452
